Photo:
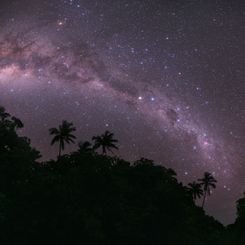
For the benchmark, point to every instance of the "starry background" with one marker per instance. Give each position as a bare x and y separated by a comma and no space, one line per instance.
167,77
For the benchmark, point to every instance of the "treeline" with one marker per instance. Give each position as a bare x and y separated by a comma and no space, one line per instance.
90,198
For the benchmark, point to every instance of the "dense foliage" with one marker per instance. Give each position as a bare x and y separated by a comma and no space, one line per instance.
88,198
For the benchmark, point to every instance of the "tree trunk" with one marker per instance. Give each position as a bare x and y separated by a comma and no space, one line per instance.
59,151
204,198
103,150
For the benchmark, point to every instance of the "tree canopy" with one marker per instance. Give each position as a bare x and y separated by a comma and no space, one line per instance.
89,198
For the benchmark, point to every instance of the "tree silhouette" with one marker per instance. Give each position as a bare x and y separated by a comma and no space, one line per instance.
195,189
63,135
98,199
105,141
18,122
8,121
85,147
241,208
144,161
208,182
3,114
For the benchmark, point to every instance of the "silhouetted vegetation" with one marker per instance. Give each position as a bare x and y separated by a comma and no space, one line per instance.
90,198
208,182
63,135
195,189
105,142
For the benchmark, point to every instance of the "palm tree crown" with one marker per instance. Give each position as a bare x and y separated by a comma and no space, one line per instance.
85,147
208,182
105,141
195,189
63,134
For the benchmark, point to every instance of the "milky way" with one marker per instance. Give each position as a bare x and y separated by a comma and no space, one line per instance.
165,76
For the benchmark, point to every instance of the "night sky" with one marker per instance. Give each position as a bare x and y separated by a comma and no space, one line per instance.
166,76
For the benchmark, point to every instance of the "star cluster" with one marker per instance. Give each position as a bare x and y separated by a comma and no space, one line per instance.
165,76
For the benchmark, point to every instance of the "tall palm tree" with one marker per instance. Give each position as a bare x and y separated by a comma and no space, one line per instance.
63,134
195,189
208,182
105,141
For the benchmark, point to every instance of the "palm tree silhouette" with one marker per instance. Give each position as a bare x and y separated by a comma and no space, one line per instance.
195,189
63,135
85,147
105,141
208,182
